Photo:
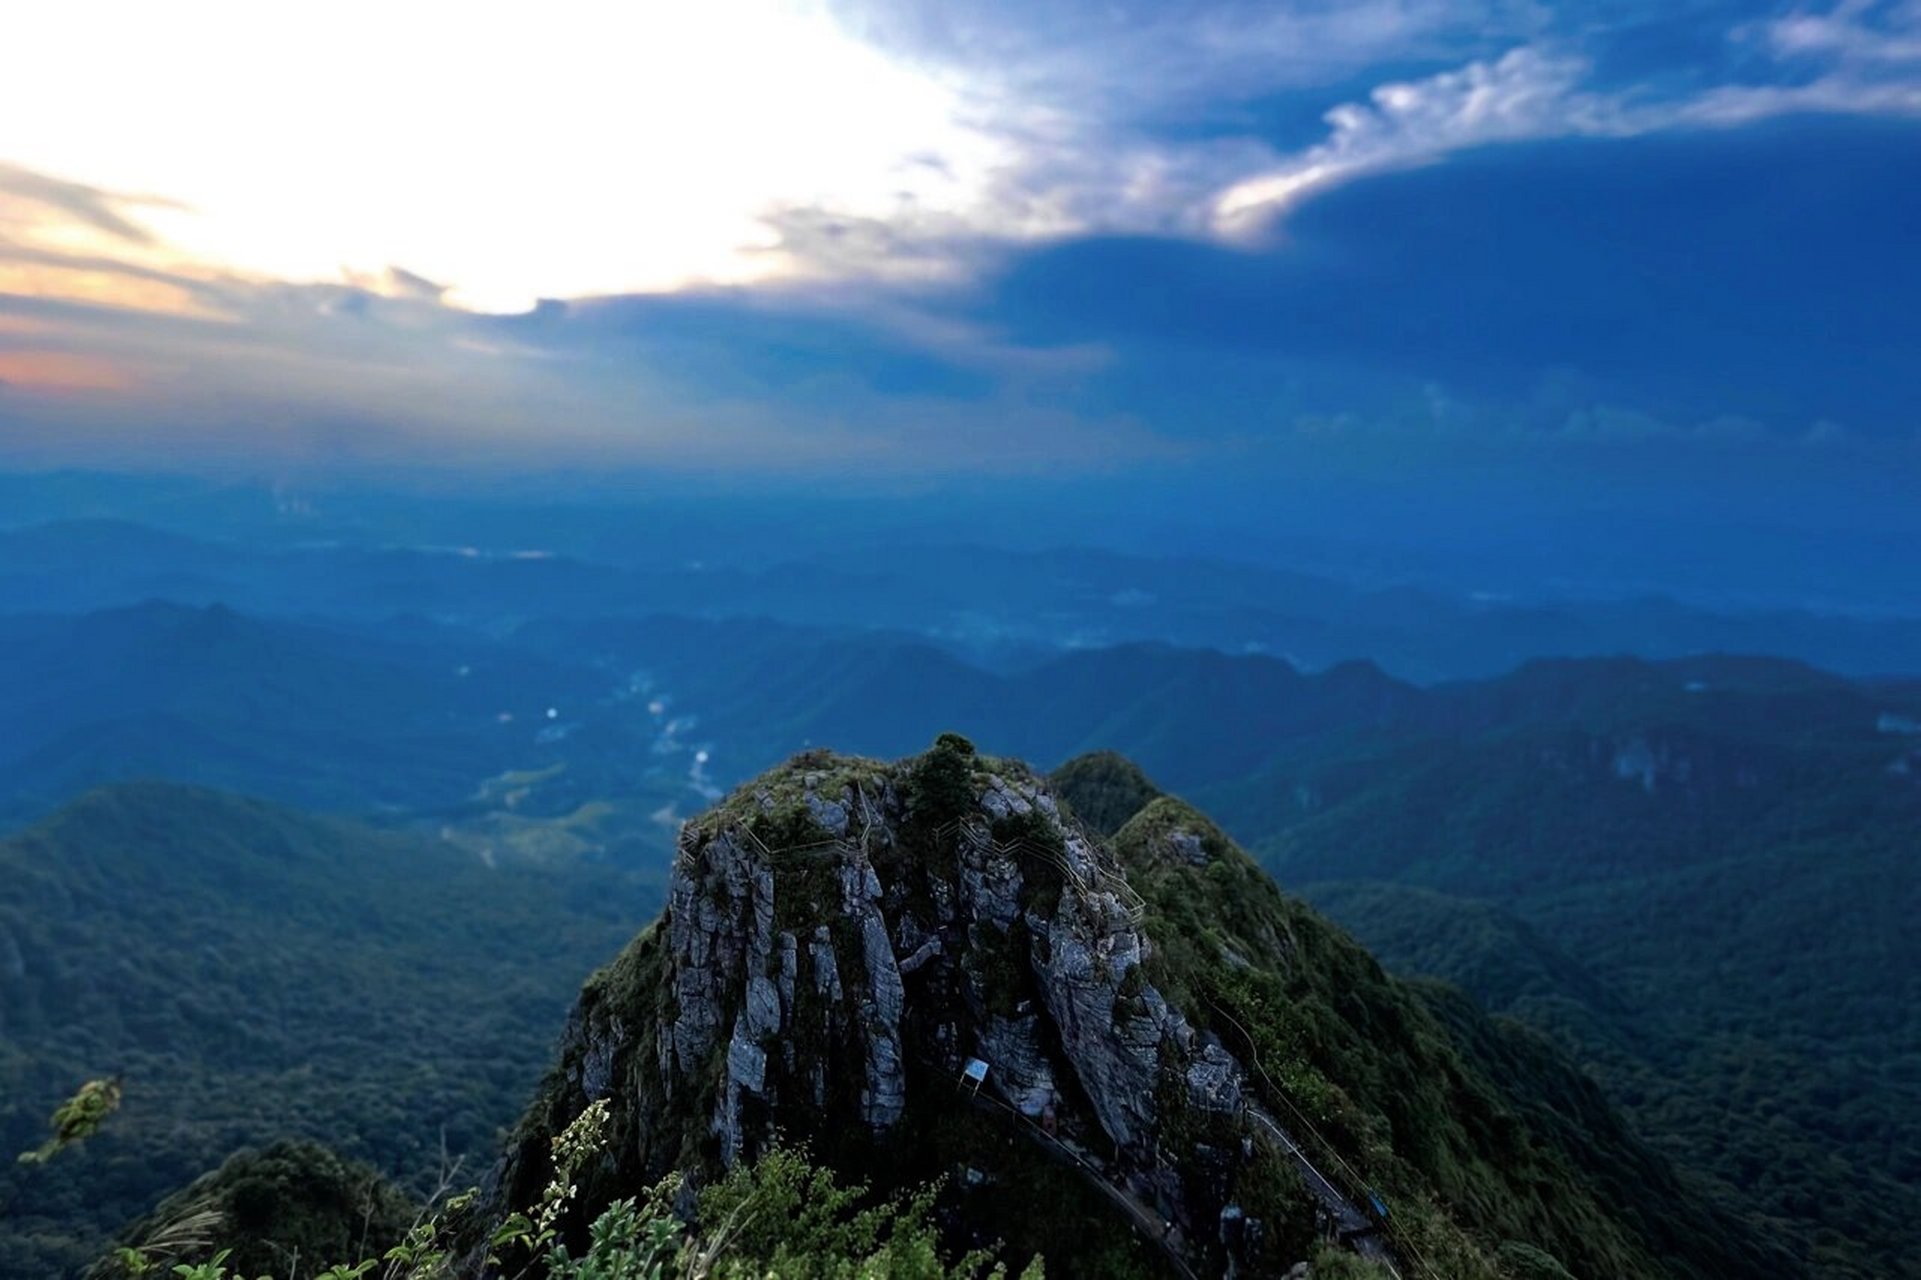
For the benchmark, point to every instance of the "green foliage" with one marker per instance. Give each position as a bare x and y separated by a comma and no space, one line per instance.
1338,1264
256,974
1476,1131
1104,788
573,1147
1474,1134
1726,945
779,1216
78,1118
285,1210
625,1244
783,1216
1525,1262
940,784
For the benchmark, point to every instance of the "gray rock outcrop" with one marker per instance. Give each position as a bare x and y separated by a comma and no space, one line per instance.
838,945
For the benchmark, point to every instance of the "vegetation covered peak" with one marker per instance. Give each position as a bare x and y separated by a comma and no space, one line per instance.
1104,788
846,936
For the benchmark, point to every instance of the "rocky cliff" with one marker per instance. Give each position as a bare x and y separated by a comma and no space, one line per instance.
844,937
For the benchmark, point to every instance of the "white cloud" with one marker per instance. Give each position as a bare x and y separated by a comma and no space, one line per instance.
1121,60
1861,32
1733,105
338,163
594,147
1527,93
608,147
1539,92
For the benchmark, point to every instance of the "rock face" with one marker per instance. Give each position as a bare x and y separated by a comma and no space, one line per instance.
843,936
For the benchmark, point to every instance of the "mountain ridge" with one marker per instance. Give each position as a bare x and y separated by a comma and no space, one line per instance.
819,972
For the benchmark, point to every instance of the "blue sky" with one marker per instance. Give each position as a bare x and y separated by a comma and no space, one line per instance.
1660,255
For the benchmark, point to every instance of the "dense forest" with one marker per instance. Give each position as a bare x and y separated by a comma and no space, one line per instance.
1648,862
1702,893
253,974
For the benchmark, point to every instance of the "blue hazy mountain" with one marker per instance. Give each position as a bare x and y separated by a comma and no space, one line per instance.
993,603
1688,869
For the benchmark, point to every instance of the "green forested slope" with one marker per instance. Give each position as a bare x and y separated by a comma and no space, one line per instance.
255,973
1702,878
1415,1086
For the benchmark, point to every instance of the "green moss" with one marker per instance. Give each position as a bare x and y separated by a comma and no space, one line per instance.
774,805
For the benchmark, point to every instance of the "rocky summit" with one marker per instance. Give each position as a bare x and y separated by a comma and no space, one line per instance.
1128,1053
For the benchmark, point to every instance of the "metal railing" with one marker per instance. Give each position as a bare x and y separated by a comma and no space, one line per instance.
1133,906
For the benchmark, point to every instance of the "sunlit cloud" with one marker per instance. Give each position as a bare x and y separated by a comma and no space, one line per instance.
601,148
746,232
27,198
1537,92
93,280
69,241
1527,93
612,149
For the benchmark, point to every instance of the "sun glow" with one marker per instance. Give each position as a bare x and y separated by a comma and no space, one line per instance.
604,147
58,371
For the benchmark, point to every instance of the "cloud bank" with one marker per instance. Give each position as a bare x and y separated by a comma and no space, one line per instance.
1002,238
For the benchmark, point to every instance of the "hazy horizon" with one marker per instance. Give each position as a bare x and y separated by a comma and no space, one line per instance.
1502,297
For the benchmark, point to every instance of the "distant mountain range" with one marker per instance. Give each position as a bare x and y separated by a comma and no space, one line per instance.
1695,872
415,715
994,607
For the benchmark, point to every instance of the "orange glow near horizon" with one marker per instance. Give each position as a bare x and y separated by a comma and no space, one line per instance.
60,372
106,288
99,286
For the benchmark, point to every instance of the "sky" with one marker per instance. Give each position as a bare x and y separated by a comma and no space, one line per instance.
1650,258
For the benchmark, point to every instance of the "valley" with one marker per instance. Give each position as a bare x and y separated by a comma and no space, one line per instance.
1642,860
